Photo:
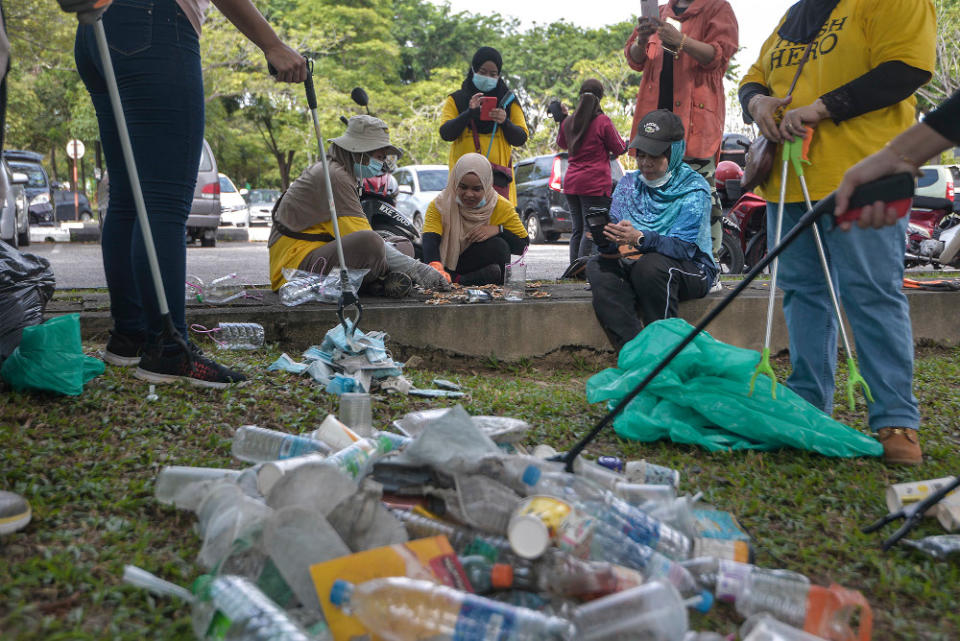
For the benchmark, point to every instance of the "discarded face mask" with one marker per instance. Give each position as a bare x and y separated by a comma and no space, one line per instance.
287,364
436,393
445,384
341,384
397,384
320,371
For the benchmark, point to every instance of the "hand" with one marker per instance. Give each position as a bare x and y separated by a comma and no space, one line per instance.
763,110
796,121
475,101
290,65
564,110
622,233
437,265
646,27
669,34
88,11
482,233
498,115
883,163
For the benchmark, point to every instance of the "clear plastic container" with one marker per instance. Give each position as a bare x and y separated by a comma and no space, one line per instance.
763,627
258,444
514,281
356,412
224,289
653,611
402,609
271,472
249,614
306,289
244,336
174,479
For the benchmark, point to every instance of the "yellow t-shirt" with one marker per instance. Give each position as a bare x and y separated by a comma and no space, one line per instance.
858,36
500,151
503,214
290,252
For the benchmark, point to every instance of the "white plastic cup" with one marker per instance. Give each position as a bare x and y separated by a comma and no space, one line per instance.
902,494
356,413
335,434
174,478
270,473
514,282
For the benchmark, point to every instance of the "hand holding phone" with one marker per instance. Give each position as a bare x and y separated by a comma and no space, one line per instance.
487,104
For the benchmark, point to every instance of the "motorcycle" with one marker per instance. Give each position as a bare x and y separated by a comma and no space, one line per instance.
933,234
378,197
744,215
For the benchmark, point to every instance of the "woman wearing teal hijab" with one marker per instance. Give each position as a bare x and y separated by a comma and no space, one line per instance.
659,218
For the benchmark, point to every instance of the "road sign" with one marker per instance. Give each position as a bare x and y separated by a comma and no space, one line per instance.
75,149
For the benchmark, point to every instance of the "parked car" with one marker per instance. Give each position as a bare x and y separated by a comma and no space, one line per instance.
233,208
64,209
939,181
205,211
14,210
419,185
540,202
260,204
38,188
734,147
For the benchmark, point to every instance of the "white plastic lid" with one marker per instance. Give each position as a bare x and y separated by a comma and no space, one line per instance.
528,536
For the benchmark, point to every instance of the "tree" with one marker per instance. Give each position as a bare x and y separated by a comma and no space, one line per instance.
946,76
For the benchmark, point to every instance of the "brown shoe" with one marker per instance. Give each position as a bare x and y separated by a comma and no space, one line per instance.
901,445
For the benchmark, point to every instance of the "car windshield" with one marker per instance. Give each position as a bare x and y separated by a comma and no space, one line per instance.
264,195
226,187
34,174
927,177
433,179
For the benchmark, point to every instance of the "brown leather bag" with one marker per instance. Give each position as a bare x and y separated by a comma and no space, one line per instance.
760,154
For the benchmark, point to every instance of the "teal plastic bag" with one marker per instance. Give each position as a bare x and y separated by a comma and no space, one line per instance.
50,357
702,398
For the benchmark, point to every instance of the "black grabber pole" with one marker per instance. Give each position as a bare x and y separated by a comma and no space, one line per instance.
170,333
896,190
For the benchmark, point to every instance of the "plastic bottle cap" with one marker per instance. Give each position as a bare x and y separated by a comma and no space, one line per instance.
705,603
501,575
528,536
340,592
531,475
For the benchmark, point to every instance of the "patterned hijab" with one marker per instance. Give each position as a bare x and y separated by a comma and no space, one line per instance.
457,220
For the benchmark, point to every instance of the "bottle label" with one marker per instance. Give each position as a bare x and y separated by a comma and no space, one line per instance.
730,578
297,446
575,534
484,620
722,549
611,463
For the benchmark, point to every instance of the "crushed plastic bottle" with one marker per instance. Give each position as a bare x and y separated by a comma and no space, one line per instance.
241,336
308,288
356,459
726,578
258,444
224,289
939,547
485,577
385,606
654,611
641,471
462,539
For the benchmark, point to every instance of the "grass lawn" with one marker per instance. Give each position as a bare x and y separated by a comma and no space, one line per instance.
87,465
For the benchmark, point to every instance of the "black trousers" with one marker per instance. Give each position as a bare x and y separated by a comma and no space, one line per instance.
581,243
652,285
493,251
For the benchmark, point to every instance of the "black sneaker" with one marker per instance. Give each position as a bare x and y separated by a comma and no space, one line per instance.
489,275
123,350
397,285
202,371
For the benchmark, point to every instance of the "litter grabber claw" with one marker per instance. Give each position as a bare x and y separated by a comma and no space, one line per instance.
912,514
763,367
853,379
889,189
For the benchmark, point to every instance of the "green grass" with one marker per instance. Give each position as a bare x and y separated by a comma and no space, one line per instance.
87,465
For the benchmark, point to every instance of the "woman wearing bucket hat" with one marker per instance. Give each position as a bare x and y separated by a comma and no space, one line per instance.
470,230
303,232
470,127
660,223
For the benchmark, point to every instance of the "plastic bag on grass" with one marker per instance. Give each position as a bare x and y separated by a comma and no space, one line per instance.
50,357
703,398
26,285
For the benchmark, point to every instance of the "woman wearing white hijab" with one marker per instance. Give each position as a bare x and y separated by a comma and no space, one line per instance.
470,231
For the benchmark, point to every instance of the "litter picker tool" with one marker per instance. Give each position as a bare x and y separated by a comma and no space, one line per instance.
912,514
896,190
797,153
348,298
170,333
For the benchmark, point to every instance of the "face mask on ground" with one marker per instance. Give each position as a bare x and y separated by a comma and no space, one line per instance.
656,182
484,83
372,169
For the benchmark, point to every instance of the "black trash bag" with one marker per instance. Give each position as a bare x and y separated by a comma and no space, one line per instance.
26,285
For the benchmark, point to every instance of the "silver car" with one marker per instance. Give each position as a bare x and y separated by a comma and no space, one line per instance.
419,185
260,204
14,210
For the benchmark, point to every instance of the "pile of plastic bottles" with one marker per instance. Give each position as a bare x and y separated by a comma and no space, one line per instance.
453,531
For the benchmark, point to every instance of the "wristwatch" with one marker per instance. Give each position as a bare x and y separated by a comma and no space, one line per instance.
636,243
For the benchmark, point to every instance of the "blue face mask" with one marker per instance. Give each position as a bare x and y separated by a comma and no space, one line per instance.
483,201
484,83
372,169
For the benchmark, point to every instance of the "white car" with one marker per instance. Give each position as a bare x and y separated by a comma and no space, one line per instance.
260,204
419,185
939,181
233,208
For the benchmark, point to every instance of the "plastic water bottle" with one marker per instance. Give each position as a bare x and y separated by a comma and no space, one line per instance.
462,539
823,611
355,459
560,573
239,336
763,627
654,611
258,444
223,289
402,609
485,577
641,471
307,289
726,578
243,612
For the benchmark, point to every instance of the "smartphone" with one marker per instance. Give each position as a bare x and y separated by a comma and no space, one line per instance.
649,9
487,104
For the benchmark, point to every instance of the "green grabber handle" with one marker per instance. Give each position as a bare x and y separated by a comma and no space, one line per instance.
853,379
763,367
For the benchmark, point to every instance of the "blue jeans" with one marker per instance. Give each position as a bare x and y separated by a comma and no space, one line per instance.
866,266
581,242
156,59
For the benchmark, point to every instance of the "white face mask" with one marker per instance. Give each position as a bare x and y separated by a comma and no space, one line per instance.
656,182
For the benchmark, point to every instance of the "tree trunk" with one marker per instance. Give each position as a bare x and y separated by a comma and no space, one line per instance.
284,165
53,162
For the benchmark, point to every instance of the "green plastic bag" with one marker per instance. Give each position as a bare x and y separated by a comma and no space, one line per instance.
702,398
50,357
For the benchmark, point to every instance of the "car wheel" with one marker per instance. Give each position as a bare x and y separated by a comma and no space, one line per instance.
86,217
208,240
533,229
552,236
730,255
418,221
23,238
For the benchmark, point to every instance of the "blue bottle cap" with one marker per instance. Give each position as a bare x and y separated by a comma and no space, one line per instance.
340,592
531,475
706,601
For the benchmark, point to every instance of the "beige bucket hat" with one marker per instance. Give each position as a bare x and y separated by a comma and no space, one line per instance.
364,134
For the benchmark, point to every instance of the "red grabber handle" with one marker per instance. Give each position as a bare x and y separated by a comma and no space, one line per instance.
896,191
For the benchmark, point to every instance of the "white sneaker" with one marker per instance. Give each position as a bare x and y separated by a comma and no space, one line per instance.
717,286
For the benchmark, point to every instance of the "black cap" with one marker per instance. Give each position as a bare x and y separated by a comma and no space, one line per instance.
657,131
